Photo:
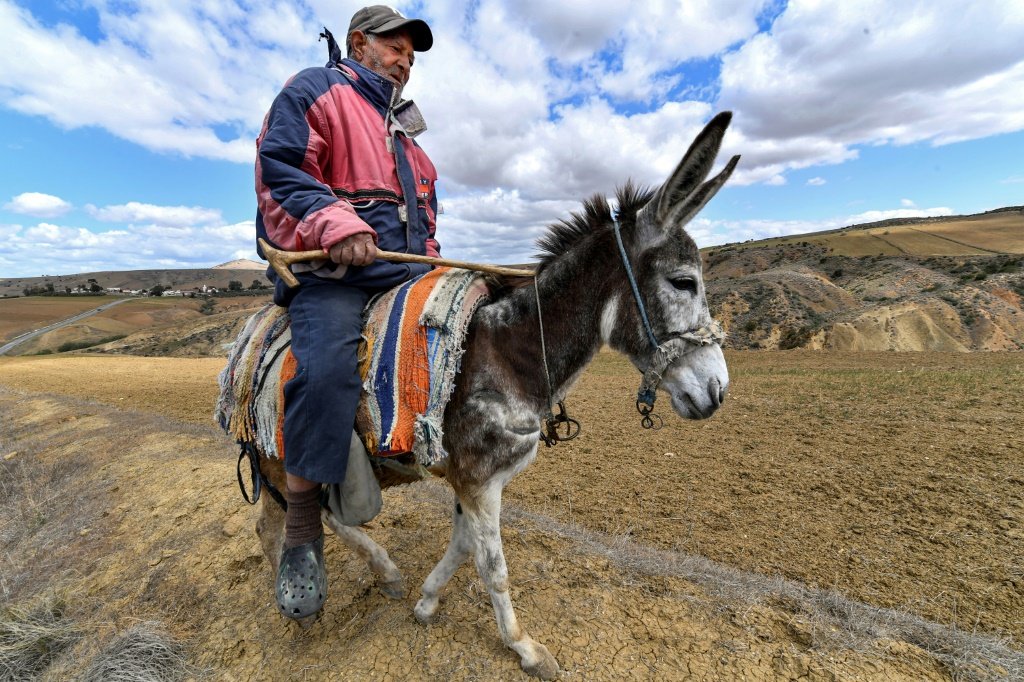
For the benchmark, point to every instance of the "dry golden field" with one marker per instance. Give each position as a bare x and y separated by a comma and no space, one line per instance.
979,235
844,516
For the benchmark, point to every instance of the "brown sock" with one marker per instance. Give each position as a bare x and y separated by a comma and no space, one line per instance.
302,520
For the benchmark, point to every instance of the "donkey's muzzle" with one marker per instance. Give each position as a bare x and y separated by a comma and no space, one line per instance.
698,383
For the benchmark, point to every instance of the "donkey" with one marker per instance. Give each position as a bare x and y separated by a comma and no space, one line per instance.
630,279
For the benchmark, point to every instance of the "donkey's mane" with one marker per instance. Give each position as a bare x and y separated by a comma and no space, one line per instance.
595,215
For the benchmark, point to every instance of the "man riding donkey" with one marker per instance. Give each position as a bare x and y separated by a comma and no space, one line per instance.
337,170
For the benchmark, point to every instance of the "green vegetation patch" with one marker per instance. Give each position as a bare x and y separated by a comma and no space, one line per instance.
79,345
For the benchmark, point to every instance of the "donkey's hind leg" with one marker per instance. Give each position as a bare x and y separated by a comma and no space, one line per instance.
484,520
459,549
374,555
270,524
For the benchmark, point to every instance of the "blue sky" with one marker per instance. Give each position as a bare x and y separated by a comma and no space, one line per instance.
128,126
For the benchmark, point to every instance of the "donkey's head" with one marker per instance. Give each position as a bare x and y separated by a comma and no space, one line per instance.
679,351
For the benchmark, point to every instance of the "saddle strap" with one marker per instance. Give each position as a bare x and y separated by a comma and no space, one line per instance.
259,481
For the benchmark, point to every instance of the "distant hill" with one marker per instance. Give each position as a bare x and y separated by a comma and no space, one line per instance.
186,280
1000,231
946,284
954,283
241,264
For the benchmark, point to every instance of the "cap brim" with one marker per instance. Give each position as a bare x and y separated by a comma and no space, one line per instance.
422,38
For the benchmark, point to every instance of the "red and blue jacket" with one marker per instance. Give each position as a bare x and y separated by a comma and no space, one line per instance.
332,162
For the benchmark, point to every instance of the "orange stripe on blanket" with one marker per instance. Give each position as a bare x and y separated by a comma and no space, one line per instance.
414,364
288,367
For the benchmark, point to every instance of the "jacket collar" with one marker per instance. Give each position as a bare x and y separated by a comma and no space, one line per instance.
374,88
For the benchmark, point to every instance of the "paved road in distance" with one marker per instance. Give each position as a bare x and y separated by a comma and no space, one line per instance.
57,325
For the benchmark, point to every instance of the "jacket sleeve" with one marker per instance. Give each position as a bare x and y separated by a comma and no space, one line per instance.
299,209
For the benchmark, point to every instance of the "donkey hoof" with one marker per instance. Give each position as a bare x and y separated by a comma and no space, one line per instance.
540,663
425,611
394,589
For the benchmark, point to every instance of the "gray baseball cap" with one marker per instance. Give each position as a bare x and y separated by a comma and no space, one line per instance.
381,19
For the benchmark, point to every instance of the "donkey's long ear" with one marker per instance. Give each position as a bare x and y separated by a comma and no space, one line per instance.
683,194
681,214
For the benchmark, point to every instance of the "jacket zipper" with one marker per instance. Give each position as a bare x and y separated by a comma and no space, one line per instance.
393,142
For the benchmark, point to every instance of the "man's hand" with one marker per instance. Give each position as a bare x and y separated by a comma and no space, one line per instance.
358,249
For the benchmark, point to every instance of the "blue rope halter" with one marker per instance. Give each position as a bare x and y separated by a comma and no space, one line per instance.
646,396
633,285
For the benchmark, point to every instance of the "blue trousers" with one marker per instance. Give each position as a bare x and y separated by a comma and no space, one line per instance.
320,401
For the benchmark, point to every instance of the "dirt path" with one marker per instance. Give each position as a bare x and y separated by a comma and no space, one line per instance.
761,544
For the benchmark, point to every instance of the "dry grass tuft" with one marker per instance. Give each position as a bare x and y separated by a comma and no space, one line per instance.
142,653
31,638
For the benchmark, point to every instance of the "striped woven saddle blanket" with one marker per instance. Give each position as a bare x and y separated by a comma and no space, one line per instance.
413,341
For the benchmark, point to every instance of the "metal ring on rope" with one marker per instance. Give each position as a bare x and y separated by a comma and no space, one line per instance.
552,422
555,423
648,416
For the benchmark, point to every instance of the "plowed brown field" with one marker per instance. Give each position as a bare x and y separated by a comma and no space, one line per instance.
844,516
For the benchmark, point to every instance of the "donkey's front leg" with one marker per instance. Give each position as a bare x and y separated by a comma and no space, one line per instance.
484,519
373,554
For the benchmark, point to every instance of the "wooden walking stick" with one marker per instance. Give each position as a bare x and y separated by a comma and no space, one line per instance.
280,260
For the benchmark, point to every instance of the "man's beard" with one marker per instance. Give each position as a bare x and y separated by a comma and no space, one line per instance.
378,68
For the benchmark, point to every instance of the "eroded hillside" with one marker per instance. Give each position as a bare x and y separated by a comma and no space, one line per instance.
814,293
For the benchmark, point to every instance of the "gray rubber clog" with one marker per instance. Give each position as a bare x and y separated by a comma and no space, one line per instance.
302,580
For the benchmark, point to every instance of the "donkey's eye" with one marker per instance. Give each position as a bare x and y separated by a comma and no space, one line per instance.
684,284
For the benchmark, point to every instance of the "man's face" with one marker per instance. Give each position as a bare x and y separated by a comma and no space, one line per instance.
388,54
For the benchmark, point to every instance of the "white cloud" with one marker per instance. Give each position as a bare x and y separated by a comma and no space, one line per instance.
38,205
498,225
829,76
29,251
1012,180
875,216
881,72
816,182
162,76
534,105
661,35
136,212
907,203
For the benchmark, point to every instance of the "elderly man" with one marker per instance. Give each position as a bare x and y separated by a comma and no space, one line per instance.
337,170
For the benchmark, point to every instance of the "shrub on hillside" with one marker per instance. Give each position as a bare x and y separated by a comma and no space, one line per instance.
30,638
79,345
143,652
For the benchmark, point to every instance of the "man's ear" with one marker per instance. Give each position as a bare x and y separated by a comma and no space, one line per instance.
358,40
